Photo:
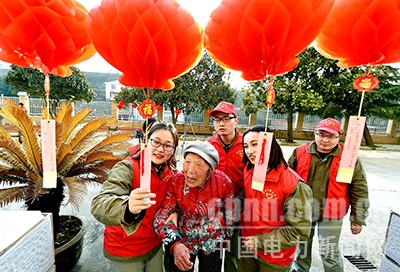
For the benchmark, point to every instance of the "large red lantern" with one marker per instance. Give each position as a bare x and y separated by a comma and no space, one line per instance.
150,41
49,35
362,32
259,37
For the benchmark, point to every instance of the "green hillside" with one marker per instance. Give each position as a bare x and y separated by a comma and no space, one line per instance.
97,81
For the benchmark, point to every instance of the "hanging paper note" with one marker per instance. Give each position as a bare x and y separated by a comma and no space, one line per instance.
145,167
262,158
351,147
48,135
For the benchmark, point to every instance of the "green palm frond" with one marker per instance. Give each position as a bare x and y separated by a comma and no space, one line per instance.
115,138
76,192
83,156
13,154
28,135
84,161
117,146
5,134
69,135
9,195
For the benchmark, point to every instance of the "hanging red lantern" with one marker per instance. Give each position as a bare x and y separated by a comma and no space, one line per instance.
122,102
259,37
362,32
120,106
149,41
134,105
159,108
365,83
177,112
147,109
46,35
270,96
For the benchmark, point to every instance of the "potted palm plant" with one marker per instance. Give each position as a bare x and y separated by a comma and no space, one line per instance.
83,154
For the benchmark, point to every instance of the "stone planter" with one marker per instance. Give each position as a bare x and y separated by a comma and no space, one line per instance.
68,254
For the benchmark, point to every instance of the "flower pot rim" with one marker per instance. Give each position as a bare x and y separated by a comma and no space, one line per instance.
77,237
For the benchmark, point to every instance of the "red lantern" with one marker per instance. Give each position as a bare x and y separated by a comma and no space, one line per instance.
120,106
159,108
270,96
177,112
46,35
362,32
147,109
122,102
134,105
259,37
150,41
365,83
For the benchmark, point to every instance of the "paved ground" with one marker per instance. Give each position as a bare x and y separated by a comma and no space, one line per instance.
383,169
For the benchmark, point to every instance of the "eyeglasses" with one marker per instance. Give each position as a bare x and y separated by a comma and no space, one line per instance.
330,136
157,143
225,119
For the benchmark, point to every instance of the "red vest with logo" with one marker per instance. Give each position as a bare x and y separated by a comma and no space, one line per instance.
230,163
263,211
116,241
337,200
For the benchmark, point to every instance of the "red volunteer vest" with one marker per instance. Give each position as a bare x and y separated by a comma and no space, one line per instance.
230,163
117,242
337,200
263,211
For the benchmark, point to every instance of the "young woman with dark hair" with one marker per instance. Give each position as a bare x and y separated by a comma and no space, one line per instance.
130,242
147,125
275,219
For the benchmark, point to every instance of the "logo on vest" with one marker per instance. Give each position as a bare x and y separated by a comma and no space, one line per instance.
270,194
240,153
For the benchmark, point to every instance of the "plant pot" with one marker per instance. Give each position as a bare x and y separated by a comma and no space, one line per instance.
68,254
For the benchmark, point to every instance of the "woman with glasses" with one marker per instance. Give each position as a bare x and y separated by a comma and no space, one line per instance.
206,199
130,242
276,219
147,125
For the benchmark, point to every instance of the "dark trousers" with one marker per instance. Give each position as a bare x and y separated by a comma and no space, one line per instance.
207,263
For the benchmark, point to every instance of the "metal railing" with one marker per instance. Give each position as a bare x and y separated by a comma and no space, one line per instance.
276,121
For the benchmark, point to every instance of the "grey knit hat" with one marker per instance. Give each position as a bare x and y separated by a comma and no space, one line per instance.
205,150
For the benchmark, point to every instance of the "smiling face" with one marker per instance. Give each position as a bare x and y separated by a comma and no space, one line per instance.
196,170
158,154
250,143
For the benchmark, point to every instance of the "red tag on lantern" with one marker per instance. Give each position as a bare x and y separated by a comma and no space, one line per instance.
147,109
270,96
178,111
365,83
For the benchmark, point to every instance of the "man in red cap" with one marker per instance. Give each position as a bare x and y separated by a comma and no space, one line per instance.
228,142
317,163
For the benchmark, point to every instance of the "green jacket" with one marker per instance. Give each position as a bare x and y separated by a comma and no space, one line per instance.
318,180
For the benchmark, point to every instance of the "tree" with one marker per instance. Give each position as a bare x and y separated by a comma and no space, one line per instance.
296,91
72,88
318,86
203,87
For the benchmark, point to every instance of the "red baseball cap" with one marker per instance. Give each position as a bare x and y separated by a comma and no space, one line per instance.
330,125
224,107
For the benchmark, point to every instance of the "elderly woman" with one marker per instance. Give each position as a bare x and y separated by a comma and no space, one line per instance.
206,199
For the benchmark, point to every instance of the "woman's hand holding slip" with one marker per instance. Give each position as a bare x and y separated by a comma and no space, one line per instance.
136,203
